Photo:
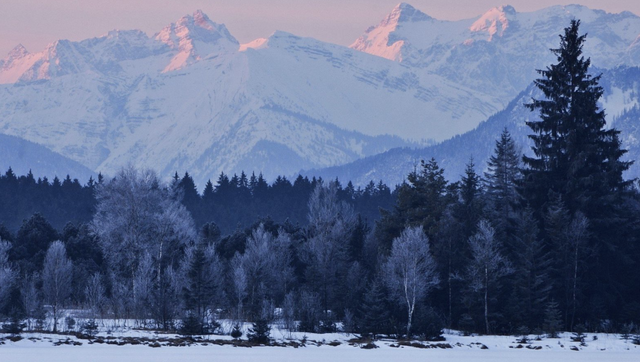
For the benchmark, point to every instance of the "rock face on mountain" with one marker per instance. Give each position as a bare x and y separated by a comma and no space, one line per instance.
191,98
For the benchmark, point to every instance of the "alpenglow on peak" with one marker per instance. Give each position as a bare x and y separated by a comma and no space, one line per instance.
495,21
405,13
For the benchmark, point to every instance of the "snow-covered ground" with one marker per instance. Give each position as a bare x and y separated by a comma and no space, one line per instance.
41,347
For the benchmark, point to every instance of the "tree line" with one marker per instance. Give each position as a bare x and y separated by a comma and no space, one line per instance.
234,202
535,244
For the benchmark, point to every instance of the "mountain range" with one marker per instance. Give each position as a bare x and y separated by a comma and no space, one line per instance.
621,103
192,98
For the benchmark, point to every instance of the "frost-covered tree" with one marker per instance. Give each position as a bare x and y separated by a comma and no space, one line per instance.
239,284
7,274
487,265
94,294
30,298
410,271
56,279
142,227
258,261
331,224
143,284
282,271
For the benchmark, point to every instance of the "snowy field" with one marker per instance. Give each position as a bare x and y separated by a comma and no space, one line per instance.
40,347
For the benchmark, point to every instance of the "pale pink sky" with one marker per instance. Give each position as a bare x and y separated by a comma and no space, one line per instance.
35,23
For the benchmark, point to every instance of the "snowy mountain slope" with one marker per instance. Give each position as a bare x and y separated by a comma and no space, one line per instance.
24,156
188,99
499,51
621,102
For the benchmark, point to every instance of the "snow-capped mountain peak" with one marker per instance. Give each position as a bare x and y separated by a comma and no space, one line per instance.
404,13
500,49
16,53
195,37
59,58
495,21
255,44
383,40
196,27
191,98
15,64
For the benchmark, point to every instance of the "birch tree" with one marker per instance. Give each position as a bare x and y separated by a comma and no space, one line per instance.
94,294
136,218
331,224
56,279
487,264
410,271
577,236
239,283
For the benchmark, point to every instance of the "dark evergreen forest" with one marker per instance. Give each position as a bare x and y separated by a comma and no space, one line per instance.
537,244
233,203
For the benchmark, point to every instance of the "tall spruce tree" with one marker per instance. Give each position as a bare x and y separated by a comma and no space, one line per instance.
575,155
422,201
501,180
578,160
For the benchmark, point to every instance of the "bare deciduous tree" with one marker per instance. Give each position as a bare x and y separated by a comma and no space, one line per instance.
410,271
56,279
331,223
94,294
239,283
137,217
487,264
